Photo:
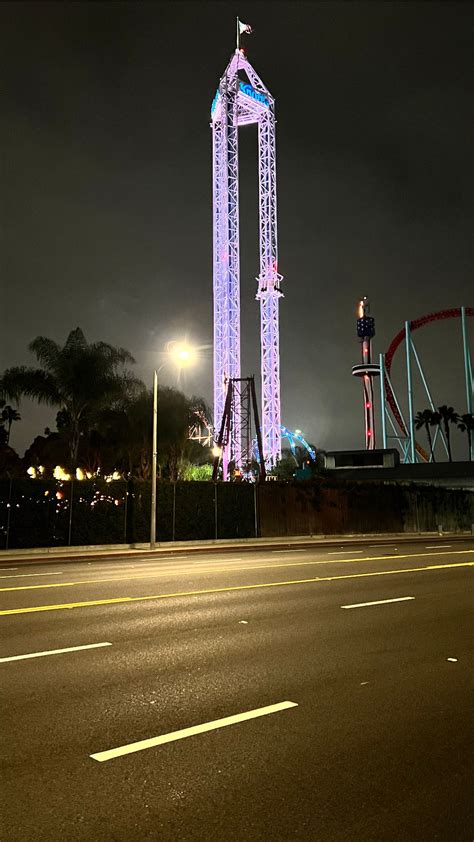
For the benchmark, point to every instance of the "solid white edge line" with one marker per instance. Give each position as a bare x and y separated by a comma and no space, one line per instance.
101,756
53,652
437,546
378,602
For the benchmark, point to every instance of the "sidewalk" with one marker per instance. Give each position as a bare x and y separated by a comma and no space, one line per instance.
125,551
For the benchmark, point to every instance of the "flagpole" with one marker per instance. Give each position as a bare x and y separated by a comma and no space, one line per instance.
238,35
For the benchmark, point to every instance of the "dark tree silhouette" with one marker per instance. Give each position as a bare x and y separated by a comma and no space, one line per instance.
425,419
447,416
9,415
466,425
81,379
127,433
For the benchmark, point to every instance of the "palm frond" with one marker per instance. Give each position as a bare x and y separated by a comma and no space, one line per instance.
46,351
113,356
76,340
35,383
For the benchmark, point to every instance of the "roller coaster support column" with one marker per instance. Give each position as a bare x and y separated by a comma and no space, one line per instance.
383,408
411,421
467,371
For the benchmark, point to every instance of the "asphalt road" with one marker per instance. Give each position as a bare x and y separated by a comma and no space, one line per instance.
376,745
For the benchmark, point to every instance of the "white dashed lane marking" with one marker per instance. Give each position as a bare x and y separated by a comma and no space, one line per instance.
190,732
53,652
437,546
346,552
378,602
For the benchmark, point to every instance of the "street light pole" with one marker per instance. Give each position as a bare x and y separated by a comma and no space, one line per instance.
183,355
153,462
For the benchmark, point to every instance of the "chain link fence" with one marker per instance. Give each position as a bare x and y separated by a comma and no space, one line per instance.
37,513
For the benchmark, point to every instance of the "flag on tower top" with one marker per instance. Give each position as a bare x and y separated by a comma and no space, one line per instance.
244,27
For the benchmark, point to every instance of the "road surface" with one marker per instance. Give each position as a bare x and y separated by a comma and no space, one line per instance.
308,694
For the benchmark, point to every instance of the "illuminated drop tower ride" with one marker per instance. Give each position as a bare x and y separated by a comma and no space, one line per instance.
367,370
242,99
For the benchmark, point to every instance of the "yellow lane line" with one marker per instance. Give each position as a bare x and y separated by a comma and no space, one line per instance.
227,569
116,600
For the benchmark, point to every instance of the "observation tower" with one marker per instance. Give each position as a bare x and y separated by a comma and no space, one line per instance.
367,370
242,99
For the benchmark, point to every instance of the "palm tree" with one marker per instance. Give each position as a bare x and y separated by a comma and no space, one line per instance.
79,378
466,424
9,415
425,419
447,416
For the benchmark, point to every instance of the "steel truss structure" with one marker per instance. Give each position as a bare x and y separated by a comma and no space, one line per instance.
240,404
242,99
403,429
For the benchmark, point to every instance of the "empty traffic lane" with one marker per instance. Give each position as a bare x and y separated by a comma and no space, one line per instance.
325,709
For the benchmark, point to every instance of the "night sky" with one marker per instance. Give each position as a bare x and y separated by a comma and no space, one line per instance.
106,187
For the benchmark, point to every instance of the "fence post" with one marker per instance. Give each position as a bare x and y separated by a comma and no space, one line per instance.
215,510
71,497
416,513
9,510
173,526
125,515
255,508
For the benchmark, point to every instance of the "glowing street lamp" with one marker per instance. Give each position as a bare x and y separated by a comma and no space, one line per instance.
183,356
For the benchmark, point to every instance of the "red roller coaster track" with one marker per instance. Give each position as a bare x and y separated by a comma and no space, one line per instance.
455,313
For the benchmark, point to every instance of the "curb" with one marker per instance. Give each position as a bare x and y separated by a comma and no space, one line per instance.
123,552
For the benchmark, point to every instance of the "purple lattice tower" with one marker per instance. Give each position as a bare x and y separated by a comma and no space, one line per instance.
238,102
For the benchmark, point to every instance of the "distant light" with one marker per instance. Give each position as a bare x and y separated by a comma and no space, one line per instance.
80,474
112,477
298,433
369,432
31,472
368,405
216,451
60,473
